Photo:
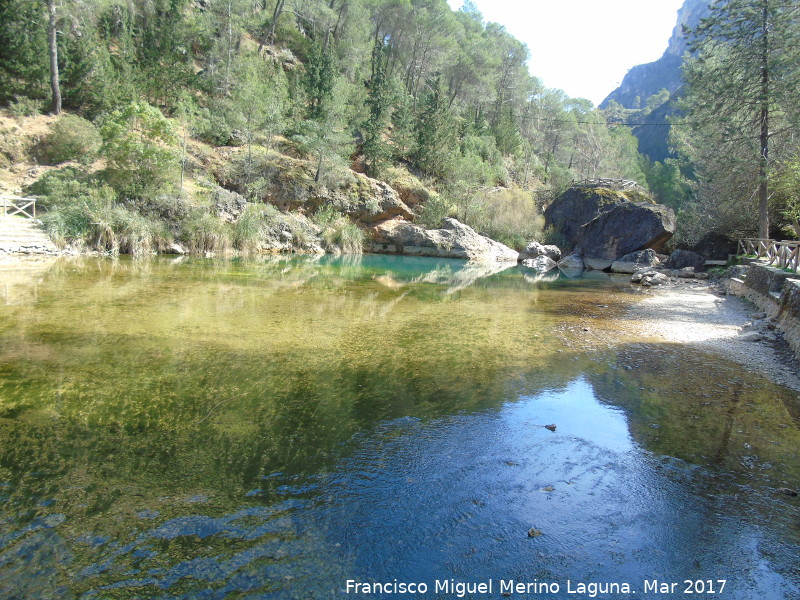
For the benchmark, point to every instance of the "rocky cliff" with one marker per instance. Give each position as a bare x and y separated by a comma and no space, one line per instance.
642,81
648,79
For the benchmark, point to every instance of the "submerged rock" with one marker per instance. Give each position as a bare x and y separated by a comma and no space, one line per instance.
452,240
572,263
533,532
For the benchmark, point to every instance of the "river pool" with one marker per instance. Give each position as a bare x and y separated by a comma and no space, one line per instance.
279,427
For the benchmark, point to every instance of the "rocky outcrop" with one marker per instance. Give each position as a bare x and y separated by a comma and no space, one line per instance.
635,261
228,205
288,184
452,240
642,81
535,249
609,223
369,201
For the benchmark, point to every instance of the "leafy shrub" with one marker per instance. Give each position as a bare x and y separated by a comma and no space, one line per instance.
339,233
72,218
67,186
512,217
211,124
71,138
137,143
22,106
434,210
83,211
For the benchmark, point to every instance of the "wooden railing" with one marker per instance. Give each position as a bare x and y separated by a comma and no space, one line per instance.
14,205
785,255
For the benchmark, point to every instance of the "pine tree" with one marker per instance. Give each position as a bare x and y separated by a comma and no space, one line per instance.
745,74
319,78
378,102
434,132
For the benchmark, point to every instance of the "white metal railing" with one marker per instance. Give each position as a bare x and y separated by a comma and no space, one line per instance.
15,205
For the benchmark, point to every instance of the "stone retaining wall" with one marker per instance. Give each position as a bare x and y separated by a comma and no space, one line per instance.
789,316
777,293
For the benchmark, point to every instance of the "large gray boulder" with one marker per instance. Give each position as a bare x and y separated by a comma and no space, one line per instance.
452,240
535,249
626,228
680,259
609,223
571,262
635,261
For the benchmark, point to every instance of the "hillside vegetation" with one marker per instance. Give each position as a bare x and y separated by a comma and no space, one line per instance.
297,106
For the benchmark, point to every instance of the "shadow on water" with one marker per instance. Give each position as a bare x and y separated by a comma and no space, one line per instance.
227,429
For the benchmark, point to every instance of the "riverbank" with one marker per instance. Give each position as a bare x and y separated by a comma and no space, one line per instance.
702,315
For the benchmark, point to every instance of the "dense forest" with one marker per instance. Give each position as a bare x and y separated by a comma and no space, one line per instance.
285,101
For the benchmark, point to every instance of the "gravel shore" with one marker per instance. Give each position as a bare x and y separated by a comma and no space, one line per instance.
699,314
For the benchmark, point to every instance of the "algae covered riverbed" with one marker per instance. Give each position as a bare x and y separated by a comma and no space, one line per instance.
279,427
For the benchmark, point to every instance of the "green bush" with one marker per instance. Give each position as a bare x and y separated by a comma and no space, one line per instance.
72,218
249,231
67,186
434,210
510,216
203,232
71,138
138,146
22,106
339,234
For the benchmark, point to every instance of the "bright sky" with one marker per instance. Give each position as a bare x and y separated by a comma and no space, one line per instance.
585,47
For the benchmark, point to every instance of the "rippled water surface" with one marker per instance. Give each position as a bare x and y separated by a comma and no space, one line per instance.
274,428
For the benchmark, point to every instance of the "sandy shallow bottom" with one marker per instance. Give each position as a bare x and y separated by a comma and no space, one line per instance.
699,315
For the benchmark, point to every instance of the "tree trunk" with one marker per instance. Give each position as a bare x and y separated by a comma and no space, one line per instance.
55,106
319,167
763,165
270,35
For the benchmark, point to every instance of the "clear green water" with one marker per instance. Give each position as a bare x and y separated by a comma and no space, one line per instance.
272,428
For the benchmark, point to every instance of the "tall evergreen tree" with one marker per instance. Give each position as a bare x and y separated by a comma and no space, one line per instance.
744,80
378,103
434,131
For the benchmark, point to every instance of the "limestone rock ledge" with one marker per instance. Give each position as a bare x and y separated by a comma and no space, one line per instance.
452,240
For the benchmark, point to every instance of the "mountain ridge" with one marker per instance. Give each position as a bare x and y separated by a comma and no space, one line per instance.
665,73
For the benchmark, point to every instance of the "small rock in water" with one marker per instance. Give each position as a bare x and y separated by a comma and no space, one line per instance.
551,427
548,488
533,532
